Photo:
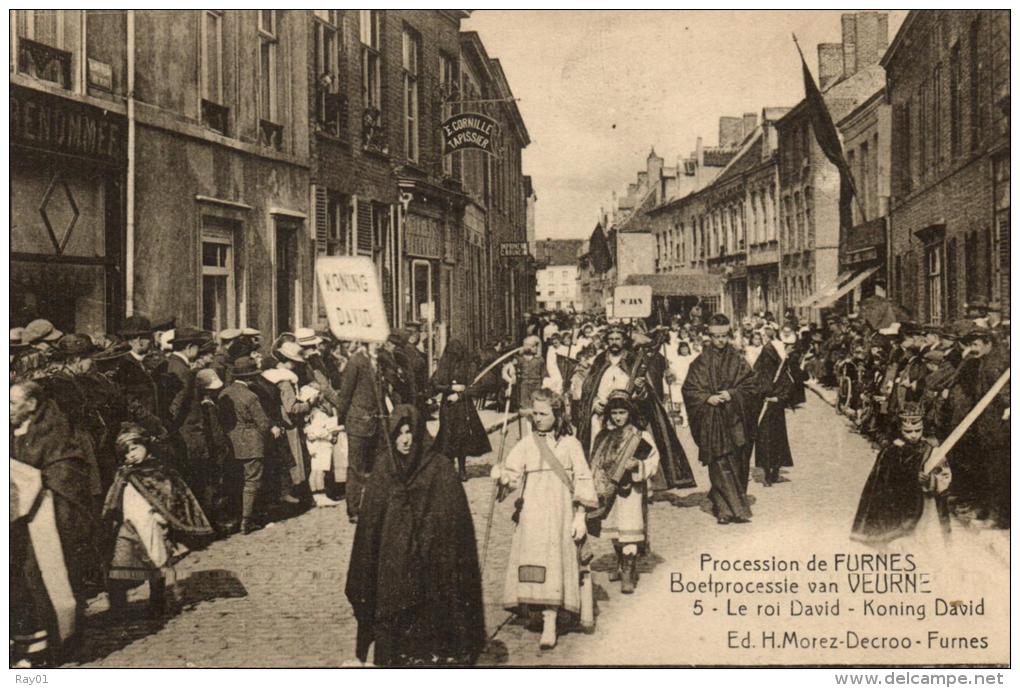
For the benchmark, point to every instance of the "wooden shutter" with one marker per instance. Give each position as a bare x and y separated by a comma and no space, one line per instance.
951,281
321,220
363,227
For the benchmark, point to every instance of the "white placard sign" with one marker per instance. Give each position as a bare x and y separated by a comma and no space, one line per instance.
632,302
352,299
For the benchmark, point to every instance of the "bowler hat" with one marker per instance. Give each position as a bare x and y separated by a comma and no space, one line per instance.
136,326
190,335
41,330
244,367
168,324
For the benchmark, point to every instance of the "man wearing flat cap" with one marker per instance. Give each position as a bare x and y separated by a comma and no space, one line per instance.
722,396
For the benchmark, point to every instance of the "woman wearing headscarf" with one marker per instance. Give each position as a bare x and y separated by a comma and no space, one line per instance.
461,433
414,581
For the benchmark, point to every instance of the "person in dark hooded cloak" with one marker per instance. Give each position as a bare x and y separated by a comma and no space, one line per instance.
414,580
461,433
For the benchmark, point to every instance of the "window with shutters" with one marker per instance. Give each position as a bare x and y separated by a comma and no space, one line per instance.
906,149
48,45
268,97
214,113
332,222
922,131
371,24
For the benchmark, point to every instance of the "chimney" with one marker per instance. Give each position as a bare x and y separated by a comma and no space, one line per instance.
750,122
830,64
654,165
871,38
730,132
849,22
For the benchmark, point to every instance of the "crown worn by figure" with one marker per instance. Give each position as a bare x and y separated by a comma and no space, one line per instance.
912,416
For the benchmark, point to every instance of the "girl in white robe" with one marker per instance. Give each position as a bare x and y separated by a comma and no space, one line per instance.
544,570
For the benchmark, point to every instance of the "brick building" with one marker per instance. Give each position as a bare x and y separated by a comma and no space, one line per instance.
948,87
809,183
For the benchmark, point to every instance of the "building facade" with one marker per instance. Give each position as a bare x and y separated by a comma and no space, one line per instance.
557,278
244,148
948,88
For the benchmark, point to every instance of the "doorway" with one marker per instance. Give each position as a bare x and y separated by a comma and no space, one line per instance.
286,261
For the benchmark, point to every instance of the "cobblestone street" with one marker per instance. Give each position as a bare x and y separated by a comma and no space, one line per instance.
276,597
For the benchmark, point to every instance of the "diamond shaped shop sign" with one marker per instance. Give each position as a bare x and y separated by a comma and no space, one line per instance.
59,202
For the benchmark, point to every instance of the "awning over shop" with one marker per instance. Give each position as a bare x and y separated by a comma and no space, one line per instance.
829,288
829,299
693,284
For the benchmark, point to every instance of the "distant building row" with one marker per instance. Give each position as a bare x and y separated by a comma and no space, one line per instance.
925,130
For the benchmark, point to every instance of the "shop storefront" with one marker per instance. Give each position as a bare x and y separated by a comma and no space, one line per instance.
67,167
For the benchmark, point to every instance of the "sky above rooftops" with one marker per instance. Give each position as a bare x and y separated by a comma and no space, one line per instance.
598,89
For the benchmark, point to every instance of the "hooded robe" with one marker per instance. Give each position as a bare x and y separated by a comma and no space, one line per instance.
414,580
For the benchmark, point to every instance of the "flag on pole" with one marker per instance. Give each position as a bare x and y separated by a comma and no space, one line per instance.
828,140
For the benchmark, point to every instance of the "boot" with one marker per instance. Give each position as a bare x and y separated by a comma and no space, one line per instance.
247,526
157,598
462,468
614,574
548,640
628,574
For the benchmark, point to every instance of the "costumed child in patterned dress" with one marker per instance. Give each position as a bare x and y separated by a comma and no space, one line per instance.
147,504
623,459
556,490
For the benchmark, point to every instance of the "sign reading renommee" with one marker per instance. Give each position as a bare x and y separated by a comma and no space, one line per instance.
352,299
469,130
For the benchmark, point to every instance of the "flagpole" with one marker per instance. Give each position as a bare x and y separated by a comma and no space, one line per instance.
849,172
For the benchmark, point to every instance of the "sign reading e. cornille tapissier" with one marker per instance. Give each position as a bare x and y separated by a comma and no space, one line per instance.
469,130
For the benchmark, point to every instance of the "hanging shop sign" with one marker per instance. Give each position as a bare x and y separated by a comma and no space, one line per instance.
469,130
352,298
513,249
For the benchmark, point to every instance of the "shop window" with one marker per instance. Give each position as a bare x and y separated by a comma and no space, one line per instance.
218,301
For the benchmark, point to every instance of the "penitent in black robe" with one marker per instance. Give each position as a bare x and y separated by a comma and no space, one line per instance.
893,500
724,433
414,580
772,446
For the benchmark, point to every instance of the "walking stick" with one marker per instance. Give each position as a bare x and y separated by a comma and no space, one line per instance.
495,483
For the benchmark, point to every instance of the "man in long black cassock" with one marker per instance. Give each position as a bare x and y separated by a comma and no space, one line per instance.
611,370
777,382
722,397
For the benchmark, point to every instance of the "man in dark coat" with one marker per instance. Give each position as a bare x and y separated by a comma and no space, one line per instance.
181,410
44,614
722,396
414,580
776,382
133,373
358,410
